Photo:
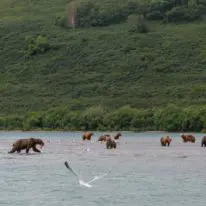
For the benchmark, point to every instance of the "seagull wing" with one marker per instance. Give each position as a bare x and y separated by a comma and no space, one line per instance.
96,178
68,167
81,182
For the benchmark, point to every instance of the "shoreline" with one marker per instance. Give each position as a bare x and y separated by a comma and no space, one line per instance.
112,131
45,130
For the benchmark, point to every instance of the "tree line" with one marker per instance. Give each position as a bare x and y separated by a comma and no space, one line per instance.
92,13
171,118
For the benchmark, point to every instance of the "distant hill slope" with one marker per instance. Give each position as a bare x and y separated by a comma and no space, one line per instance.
109,62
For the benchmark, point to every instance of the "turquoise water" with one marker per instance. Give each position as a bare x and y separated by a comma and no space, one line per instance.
142,172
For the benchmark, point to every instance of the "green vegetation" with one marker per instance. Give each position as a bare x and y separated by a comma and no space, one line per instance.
120,64
37,45
170,118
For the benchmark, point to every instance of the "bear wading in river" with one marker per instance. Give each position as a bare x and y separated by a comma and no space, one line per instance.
165,141
87,136
27,144
188,138
203,142
111,144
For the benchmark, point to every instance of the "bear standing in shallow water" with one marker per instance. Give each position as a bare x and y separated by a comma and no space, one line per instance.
165,141
203,142
87,136
27,144
111,144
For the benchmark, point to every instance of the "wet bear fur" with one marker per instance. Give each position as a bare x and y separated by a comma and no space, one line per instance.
26,144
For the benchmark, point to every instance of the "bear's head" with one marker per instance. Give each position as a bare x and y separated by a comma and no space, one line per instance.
39,142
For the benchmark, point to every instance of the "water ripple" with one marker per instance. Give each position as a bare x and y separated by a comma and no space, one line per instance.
142,173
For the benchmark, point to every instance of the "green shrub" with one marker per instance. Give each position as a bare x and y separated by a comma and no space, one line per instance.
37,45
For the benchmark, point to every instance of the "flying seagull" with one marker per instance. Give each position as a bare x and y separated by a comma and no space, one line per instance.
82,182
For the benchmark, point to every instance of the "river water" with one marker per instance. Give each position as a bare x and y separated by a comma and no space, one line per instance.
140,171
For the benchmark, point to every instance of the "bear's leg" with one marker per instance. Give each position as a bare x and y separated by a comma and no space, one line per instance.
27,150
107,145
35,149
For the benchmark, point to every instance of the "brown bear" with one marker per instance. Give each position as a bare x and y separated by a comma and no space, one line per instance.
203,142
104,138
117,135
111,144
87,136
188,138
27,144
165,141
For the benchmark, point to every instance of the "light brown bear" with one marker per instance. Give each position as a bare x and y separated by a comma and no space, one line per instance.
165,141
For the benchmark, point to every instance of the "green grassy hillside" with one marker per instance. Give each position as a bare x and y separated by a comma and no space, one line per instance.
105,61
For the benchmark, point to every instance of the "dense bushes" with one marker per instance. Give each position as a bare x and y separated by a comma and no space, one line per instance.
93,13
170,118
185,13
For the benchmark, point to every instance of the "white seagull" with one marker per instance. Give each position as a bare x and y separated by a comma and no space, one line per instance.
82,182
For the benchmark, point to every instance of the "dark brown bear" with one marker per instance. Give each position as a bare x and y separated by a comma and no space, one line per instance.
111,144
203,142
104,138
188,138
27,144
117,135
